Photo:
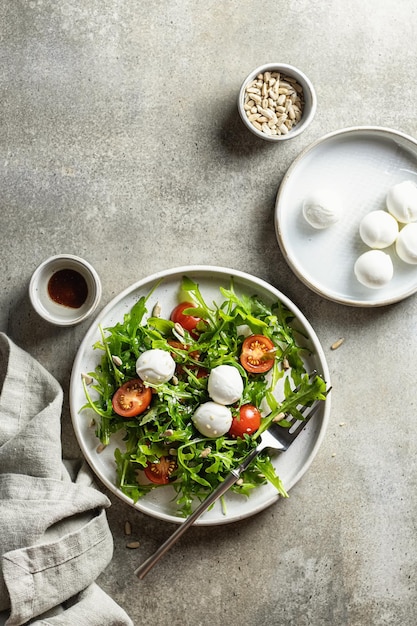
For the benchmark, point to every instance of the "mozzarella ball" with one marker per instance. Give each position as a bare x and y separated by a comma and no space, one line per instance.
212,419
322,209
155,366
225,384
402,201
378,229
406,244
374,269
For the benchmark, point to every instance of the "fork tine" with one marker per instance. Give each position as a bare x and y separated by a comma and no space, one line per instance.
298,425
303,411
287,435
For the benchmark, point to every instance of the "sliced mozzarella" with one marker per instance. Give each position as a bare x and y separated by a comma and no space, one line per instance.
212,419
155,366
225,384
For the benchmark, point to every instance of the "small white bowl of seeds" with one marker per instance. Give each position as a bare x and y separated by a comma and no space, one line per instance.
277,101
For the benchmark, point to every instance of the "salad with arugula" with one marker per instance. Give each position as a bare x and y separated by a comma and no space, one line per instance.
157,374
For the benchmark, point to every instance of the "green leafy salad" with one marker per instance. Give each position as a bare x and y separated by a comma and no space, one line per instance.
192,393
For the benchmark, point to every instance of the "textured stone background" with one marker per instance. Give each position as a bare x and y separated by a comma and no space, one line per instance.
120,142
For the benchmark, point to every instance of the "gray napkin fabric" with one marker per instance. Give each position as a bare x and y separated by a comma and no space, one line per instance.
54,539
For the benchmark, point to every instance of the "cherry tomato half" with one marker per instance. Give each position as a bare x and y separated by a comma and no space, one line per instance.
160,473
132,398
257,354
189,322
247,422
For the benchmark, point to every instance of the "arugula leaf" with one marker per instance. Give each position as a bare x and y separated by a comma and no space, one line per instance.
166,427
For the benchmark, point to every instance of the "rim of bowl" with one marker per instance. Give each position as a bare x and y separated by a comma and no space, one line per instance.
49,310
310,100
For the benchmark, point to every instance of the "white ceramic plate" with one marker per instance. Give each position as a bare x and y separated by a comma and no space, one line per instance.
359,165
290,465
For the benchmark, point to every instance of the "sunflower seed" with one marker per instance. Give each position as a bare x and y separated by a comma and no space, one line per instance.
266,112
204,453
337,344
156,311
179,329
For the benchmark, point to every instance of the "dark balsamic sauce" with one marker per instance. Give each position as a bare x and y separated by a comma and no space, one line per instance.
68,287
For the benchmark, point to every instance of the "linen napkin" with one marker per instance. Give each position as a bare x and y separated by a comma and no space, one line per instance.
54,535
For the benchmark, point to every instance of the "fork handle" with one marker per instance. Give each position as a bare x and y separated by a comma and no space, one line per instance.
230,480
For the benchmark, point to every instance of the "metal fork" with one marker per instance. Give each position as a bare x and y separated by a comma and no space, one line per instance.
276,437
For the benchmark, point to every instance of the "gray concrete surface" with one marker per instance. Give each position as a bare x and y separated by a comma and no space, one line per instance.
120,142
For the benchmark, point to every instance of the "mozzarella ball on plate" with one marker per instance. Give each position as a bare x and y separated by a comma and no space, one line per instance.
402,201
155,366
378,229
322,209
374,269
225,384
406,244
212,419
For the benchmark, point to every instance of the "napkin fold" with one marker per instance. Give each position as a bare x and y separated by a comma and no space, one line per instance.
54,535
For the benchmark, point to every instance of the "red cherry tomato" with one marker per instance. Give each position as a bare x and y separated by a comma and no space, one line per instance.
132,398
247,422
160,473
189,322
257,354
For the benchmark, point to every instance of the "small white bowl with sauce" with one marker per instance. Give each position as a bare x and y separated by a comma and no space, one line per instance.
64,290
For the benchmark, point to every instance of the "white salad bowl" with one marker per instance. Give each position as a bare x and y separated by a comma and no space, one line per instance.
160,503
